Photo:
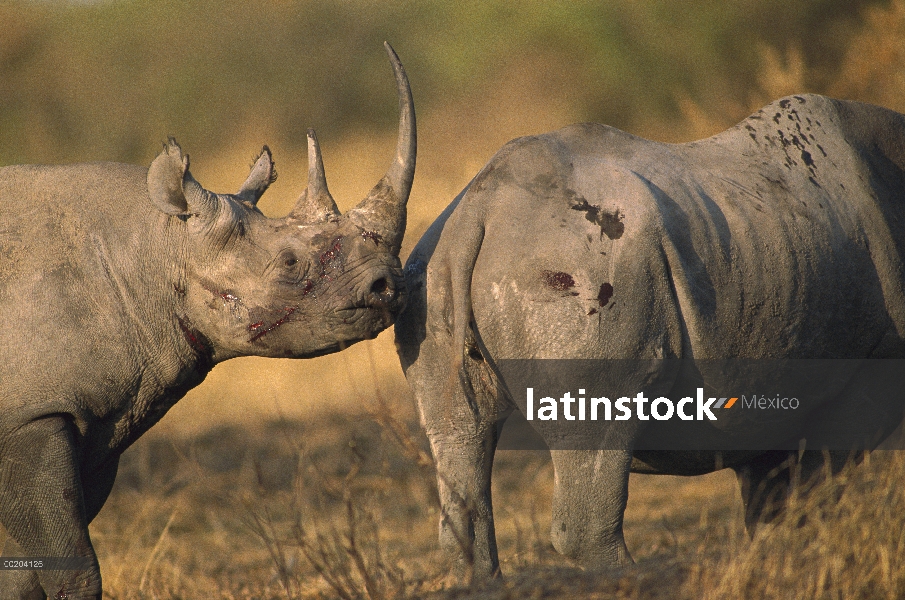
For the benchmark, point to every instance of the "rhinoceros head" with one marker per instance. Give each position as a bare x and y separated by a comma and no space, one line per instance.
304,285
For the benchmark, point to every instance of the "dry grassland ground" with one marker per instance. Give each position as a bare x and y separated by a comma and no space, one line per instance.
343,505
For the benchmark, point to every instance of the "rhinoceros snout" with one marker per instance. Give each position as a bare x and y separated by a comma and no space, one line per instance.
383,291
386,291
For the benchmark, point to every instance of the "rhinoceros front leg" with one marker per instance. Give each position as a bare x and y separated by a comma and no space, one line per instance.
590,492
22,583
42,509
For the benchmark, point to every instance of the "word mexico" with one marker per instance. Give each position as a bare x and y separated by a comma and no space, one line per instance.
660,408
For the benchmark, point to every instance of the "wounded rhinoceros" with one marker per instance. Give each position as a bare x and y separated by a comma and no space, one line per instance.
121,287
781,238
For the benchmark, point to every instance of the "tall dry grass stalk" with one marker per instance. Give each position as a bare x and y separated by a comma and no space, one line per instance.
332,523
844,539
344,548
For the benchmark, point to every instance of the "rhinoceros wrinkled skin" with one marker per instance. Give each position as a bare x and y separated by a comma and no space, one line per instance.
783,237
121,287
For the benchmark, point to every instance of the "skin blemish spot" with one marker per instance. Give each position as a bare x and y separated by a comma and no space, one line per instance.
593,311
806,157
605,293
558,280
611,224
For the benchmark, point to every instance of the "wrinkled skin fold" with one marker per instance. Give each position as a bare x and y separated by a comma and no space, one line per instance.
121,287
781,238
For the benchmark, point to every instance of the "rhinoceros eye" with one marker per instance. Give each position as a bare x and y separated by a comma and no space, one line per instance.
291,262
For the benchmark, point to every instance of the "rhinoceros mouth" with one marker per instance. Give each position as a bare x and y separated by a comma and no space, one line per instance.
376,316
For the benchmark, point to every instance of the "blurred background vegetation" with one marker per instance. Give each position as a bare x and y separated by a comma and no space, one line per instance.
108,80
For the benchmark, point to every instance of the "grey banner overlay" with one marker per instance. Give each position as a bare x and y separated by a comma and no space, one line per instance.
782,404
44,563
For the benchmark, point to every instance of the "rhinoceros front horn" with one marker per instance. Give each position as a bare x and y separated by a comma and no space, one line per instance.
383,211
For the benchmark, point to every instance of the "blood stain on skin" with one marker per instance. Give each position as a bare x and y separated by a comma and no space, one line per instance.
558,280
605,293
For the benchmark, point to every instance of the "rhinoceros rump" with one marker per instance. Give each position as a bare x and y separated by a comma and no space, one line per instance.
781,238
121,287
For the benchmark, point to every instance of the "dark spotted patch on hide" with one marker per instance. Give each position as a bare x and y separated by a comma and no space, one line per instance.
557,280
806,157
611,224
593,311
605,293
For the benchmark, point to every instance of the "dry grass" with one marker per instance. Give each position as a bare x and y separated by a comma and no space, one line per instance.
844,540
343,505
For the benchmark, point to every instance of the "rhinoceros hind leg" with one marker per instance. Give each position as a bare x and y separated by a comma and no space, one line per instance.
767,481
764,483
589,498
463,454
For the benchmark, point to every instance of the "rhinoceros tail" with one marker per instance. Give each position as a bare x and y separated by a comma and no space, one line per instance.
469,227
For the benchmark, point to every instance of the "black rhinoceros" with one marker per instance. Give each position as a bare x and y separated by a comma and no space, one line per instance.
781,238
121,287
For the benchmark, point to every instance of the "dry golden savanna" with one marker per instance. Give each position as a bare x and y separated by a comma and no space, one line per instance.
280,479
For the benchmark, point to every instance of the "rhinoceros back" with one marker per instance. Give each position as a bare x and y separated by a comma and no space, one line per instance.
71,237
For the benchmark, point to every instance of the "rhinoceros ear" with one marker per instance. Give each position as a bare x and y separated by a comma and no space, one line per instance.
172,188
263,173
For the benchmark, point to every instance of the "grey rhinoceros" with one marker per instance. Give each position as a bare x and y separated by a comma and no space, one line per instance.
780,238
121,287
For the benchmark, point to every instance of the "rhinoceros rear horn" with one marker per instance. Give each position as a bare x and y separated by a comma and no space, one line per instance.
383,210
172,187
315,205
